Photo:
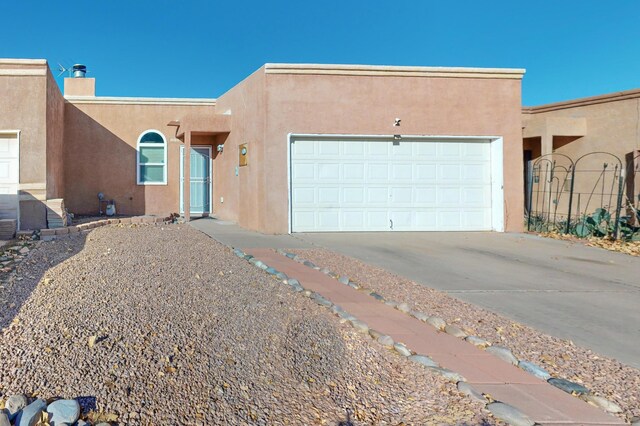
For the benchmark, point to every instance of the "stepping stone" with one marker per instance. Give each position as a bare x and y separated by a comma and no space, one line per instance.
509,414
569,386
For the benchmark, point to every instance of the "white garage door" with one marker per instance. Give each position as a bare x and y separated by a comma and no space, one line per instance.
9,175
387,185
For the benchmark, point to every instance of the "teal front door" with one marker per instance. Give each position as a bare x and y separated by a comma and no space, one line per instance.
200,195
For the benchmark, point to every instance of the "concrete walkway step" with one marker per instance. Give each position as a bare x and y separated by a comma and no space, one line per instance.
542,402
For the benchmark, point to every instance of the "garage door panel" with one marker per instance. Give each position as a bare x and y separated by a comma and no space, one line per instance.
353,195
378,195
353,171
378,172
364,185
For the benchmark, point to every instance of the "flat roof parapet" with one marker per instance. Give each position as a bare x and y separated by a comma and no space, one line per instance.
395,71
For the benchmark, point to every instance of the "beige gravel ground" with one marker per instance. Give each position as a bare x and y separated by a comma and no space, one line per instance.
604,376
187,333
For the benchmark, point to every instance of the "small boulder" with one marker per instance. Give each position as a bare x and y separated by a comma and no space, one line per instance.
271,271
509,414
503,353
309,264
423,360
290,255
293,282
391,303
437,322
63,411
282,276
343,280
320,300
30,414
4,419
455,331
14,404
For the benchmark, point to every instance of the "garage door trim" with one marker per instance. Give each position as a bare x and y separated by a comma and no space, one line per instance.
496,158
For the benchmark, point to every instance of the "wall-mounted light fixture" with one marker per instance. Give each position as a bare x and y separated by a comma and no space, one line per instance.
397,122
220,148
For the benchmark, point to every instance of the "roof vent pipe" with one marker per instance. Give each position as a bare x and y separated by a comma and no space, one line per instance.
79,70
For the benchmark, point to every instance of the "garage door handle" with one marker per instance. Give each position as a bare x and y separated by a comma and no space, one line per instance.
390,224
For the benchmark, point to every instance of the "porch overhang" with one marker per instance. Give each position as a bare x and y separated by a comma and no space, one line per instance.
209,125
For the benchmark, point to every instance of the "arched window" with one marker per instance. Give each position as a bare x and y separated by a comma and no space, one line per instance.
152,158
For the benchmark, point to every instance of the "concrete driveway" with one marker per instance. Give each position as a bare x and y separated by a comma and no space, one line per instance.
588,295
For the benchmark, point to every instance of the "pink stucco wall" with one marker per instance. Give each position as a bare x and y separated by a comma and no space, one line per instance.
100,155
274,105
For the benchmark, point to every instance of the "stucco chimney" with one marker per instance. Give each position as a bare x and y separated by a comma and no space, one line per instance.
79,85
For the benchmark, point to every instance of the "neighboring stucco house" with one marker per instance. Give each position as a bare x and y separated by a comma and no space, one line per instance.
291,148
600,135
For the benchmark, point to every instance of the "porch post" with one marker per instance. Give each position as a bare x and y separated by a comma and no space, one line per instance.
186,190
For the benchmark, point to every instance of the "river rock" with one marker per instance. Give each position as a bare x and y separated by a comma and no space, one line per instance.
569,386
391,303
353,285
534,369
14,404
419,315
451,376
290,255
30,414
477,341
320,300
402,349
403,307
271,271
360,326
343,280
386,341
503,353
455,331
424,360
603,403
375,334
471,392
63,411
293,282
509,414
437,322
376,296
309,264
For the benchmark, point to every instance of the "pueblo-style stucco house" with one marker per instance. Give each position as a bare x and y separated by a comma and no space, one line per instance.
291,148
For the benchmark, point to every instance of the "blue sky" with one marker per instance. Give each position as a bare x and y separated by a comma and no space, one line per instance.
203,48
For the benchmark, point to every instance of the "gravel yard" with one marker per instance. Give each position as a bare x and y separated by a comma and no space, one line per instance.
162,325
606,377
